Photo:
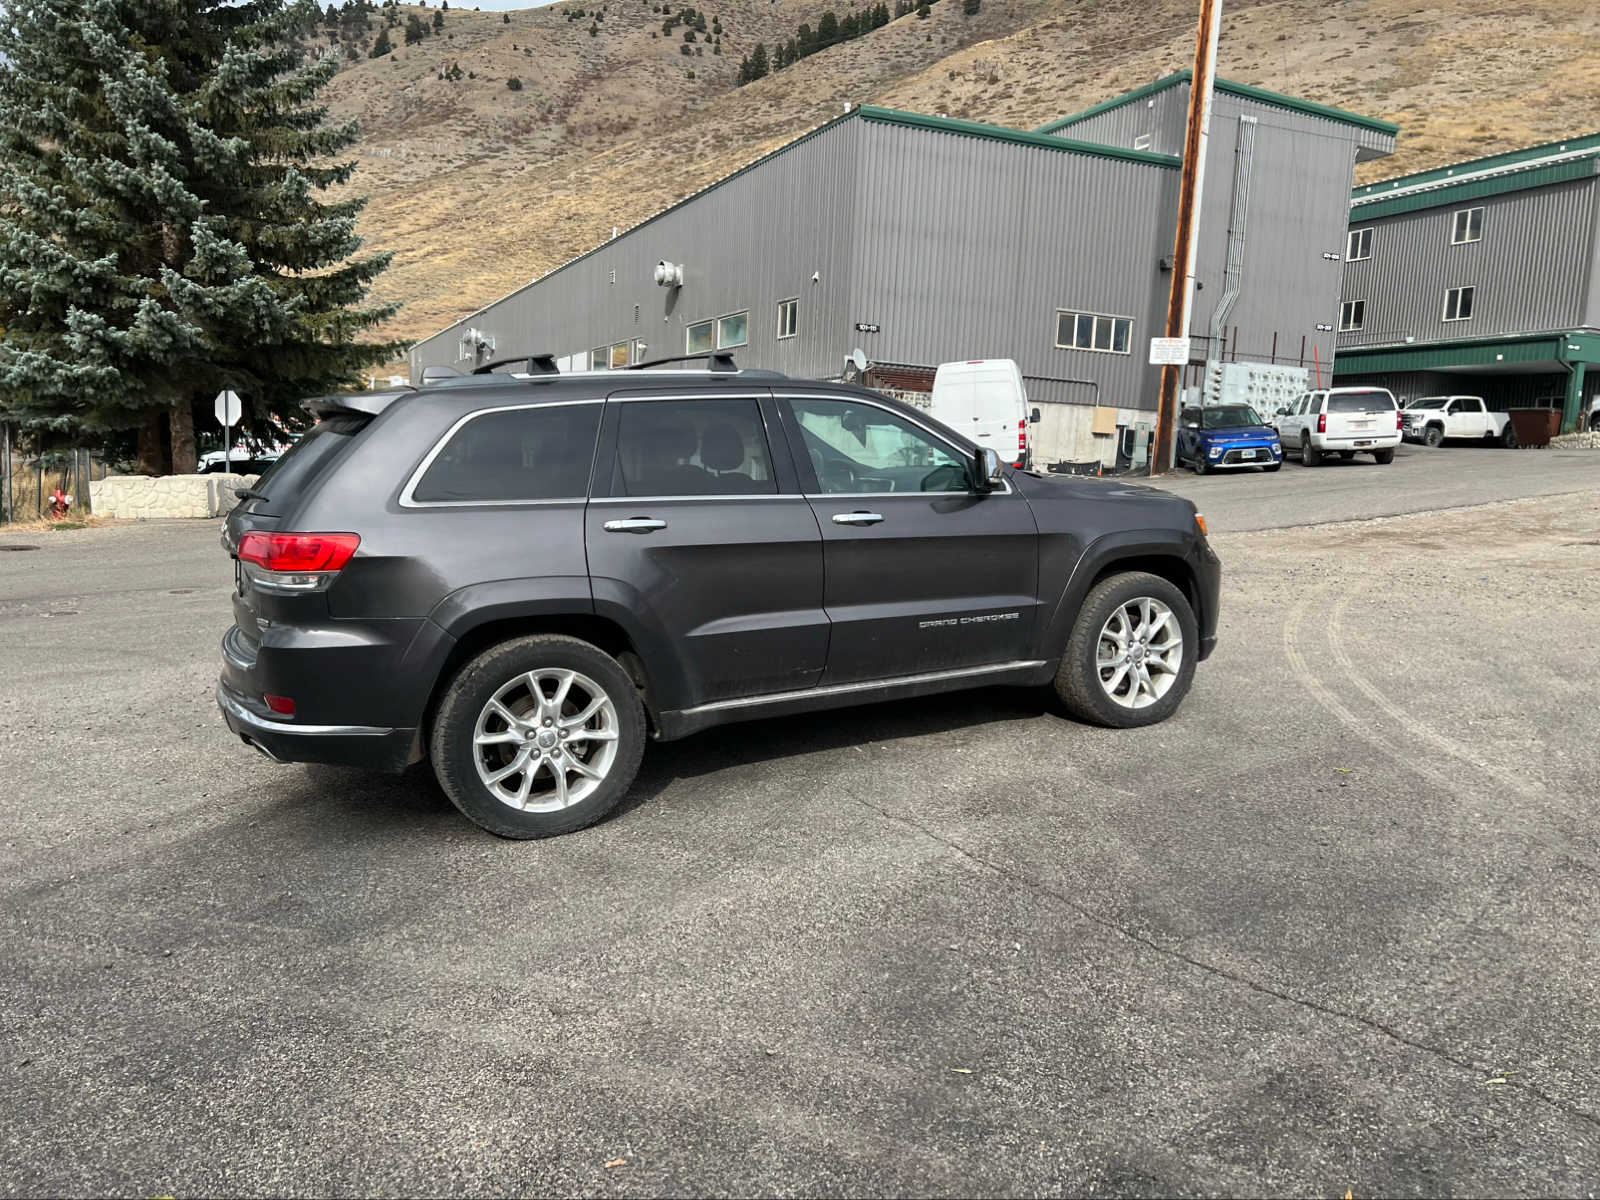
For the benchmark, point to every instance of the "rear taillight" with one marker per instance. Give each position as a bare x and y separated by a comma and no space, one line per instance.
296,562
1322,422
1399,421
1022,444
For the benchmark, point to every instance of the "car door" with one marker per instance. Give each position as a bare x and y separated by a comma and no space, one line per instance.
922,573
1189,434
701,545
1469,420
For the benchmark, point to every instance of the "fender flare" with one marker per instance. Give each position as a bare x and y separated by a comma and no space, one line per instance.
1174,547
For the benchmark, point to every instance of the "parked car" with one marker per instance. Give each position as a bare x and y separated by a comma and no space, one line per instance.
1432,419
1341,421
524,579
1223,437
246,458
985,401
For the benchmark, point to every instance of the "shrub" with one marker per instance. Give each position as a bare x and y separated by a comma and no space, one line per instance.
514,84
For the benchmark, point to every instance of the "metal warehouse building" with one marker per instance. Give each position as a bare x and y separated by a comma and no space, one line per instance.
920,240
1482,278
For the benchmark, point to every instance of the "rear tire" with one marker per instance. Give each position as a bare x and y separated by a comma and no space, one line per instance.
1109,693
1508,436
1383,457
597,756
1310,456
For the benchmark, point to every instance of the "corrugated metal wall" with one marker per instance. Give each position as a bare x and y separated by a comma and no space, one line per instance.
754,240
1531,271
967,248
1162,116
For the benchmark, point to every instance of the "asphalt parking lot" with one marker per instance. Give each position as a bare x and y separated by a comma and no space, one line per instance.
1331,928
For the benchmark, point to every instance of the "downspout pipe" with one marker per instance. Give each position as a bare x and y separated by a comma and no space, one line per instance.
1238,230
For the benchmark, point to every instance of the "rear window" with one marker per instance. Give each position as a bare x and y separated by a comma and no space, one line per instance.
540,453
1348,402
312,453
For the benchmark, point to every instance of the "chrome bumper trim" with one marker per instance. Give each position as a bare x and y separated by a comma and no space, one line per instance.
256,723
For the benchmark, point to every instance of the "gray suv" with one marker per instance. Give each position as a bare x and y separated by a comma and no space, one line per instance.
523,576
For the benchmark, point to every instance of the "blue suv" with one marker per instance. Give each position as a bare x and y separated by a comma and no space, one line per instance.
1221,437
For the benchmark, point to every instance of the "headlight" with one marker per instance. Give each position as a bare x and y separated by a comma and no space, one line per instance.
1216,452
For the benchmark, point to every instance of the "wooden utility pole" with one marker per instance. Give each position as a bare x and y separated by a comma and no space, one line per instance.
1186,242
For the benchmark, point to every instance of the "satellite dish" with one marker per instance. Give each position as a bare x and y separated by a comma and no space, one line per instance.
859,357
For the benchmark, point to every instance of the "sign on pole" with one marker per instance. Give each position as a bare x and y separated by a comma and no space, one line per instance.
228,413
1169,352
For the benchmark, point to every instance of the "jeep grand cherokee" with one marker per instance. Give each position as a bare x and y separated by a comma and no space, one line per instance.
522,576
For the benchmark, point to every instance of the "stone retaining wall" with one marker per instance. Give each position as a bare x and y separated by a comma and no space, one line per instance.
1576,441
145,497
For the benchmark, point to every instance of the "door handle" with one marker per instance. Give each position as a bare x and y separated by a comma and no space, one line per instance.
635,525
857,518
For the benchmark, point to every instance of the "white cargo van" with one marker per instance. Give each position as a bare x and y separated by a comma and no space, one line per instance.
985,401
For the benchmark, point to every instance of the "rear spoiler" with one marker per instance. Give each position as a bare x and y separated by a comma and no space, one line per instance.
364,404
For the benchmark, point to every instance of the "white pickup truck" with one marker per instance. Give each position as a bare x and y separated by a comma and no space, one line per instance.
1432,419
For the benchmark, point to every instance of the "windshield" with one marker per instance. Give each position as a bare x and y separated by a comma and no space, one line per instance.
1377,400
1429,402
1230,416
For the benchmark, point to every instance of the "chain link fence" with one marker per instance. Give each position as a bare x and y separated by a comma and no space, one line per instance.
28,478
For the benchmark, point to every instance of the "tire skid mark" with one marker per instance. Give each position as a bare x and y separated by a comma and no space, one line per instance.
1418,729
1323,696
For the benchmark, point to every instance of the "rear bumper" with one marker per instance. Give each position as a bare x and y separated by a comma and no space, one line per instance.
1359,442
375,747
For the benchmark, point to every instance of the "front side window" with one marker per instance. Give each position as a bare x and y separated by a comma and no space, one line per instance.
1093,331
733,331
692,448
540,453
701,338
1359,245
788,317
1352,315
1458,304
863,448
1466,225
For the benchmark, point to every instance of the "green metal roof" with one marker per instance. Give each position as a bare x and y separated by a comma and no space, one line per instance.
1484,177
1017,137
1577,346
1510,158
1242,90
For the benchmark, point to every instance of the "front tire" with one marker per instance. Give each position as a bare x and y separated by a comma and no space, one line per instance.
538,736
1432,436
1198,463
1130,659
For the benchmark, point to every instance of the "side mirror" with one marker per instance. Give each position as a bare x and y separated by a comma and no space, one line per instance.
986,471
1034,417
1283,412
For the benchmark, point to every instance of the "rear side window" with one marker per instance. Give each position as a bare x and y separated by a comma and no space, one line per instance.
1348,402
520,454
692,448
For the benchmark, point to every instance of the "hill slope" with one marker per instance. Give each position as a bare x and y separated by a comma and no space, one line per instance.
479,188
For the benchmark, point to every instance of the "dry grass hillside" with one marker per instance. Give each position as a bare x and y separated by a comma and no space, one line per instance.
479,188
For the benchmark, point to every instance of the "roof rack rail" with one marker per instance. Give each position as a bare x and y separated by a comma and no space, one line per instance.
717,360
533,364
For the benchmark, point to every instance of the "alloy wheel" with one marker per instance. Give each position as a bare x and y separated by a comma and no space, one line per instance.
545,740
1139,653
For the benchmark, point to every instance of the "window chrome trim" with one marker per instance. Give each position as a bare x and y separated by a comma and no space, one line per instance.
933,433
699,499
407,494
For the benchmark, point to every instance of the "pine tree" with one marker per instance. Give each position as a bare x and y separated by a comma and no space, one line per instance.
438,20
160,235
758,62
415,30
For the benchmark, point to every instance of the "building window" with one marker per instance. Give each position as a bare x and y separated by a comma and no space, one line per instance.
1352,315
1458,304
1466,226
1093,331
619,356
1359,245
599,358
638,351
1142,142
733,331
700,339
788,315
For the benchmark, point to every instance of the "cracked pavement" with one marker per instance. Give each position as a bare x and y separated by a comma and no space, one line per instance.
1328,929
